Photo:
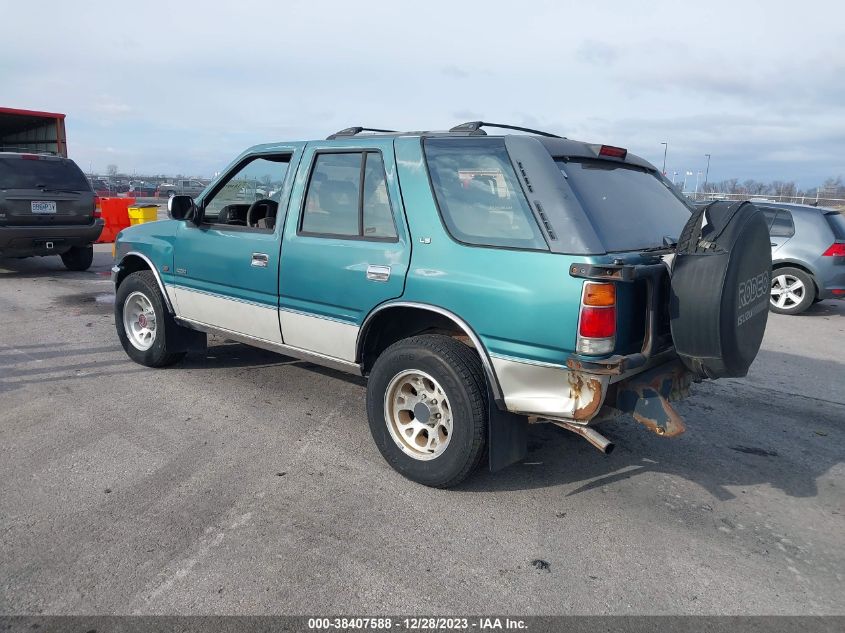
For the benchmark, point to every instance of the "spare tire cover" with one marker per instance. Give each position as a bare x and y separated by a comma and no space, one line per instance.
721,281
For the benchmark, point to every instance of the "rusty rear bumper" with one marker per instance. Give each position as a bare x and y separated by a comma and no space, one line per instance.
647,397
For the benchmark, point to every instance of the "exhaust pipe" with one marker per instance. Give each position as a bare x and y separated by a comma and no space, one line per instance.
591,435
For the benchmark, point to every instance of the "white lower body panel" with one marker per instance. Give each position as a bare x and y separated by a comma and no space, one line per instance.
253,319
317,334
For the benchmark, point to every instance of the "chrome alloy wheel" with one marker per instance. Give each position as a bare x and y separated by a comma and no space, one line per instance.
787,291
418,414
139,321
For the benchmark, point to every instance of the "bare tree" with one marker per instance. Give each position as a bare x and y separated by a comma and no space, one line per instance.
111,169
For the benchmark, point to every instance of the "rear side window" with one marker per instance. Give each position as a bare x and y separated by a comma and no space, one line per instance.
782,224
41,173
769,214
630,207
837,224
478,195
336,205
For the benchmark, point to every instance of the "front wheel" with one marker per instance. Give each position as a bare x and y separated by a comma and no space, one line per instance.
427,408
78,257
793,291
143,322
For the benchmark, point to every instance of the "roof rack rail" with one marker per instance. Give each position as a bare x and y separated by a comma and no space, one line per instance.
352,131
475,127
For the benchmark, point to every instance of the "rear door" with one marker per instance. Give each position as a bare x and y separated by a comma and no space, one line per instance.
346,247
42,190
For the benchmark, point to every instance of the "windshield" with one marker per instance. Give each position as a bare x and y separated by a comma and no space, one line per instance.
630,207
38,173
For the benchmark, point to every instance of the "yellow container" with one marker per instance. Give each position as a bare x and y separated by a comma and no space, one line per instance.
141,214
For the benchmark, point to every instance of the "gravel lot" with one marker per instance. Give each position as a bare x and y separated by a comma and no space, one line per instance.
246,482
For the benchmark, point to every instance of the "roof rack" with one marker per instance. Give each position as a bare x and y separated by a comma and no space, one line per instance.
352,131
475,127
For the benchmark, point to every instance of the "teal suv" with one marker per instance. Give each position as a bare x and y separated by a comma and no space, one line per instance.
480,282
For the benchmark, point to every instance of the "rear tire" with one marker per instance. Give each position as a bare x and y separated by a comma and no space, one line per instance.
78,257
427,408
793,291
143,323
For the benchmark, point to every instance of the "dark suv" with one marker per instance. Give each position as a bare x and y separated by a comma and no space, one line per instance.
46,208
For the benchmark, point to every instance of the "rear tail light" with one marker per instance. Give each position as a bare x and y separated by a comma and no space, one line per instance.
599,295
597,321
837,249
97,211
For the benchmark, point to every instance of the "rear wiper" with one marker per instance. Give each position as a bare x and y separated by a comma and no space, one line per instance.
61,190
669,244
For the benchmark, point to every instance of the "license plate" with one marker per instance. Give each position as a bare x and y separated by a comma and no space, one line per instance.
44,206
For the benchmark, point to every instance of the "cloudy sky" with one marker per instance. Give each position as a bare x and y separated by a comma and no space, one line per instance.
181,87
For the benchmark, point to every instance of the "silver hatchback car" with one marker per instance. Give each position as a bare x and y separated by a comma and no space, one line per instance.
808,255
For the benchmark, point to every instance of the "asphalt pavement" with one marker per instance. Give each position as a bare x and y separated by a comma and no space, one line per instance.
245,482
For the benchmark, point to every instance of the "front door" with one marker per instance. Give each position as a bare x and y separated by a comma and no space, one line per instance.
227,268
346,247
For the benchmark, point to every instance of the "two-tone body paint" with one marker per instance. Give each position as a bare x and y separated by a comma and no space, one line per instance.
216,279
325,292
518,305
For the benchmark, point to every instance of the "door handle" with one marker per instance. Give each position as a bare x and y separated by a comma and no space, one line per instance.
260,260
378,273
773,243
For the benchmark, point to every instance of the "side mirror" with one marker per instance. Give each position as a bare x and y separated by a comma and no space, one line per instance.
182,208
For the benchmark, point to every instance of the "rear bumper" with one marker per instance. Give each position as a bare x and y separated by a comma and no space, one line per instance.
557,392
642,383
24,241
830,278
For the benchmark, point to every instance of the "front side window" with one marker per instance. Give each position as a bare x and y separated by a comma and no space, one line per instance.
261,179
337,206
478,194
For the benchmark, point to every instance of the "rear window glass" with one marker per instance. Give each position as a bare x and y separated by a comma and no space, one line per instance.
630,207
837,224
479,197
19,173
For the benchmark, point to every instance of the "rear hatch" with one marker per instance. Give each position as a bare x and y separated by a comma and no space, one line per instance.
637,215
38,190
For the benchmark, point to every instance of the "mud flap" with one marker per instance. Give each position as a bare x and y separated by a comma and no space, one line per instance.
507,436
647,398
182,339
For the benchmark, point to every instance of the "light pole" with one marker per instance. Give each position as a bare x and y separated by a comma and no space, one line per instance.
697,176
684,186
665,145
674,176
707,173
